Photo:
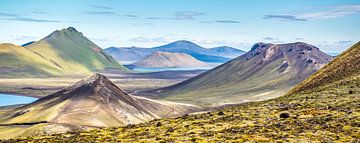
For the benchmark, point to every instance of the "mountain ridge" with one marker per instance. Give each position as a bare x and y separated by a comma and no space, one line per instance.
180,46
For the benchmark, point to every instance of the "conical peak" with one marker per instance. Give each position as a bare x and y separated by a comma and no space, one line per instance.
71,29
260,45
92,81
95,78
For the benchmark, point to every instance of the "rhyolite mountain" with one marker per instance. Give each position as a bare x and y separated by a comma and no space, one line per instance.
324,107
214,55
267,71
168,59
89,103
73,53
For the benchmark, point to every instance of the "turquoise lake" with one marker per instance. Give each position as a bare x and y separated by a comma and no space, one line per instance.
10,99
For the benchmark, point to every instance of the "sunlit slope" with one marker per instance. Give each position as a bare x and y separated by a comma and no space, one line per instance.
326,112
73,53
19,61
267,71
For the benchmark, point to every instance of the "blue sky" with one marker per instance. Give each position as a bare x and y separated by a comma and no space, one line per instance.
331,25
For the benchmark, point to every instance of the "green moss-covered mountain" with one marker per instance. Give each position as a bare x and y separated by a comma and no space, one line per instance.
20,61
322,112
64,52
267,71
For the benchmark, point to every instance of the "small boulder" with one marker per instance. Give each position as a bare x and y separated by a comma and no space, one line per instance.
284,115
221,113
158,124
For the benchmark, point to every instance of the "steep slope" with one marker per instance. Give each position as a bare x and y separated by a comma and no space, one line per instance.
226,51
267,71
92,102
215,55
19,61
326,112
69,50
167,59
343,66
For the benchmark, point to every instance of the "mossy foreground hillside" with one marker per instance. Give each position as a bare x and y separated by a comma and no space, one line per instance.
330,113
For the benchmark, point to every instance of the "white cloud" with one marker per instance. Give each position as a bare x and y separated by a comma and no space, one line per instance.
149,40
329,12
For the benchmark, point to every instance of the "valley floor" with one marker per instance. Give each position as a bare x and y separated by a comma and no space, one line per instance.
130,82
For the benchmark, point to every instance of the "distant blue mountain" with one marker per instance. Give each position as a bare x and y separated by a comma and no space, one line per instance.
128,53
213,55
225,51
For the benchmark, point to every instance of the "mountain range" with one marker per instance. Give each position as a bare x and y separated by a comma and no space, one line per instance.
322,108
168,59
90,103
214,55
267,71
63,52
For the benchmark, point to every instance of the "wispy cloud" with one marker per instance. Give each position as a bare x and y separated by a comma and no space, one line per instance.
179,15
344,42
284,17
227,21
149,39
321,12
272,40
28,19
100,12
39,11
187,15
2,14
130,15
100,7
335,46
23,37
207,22
154,18
269,38
145,24
329,12
15,17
